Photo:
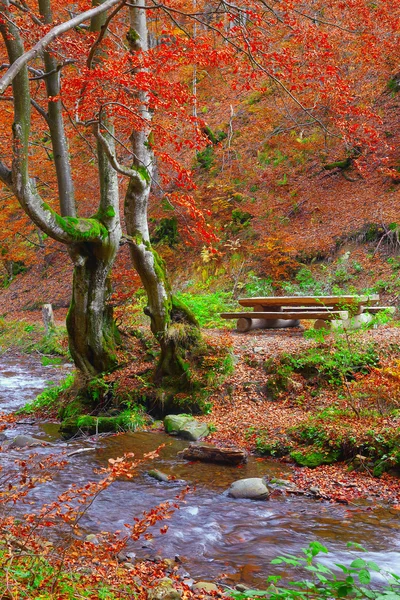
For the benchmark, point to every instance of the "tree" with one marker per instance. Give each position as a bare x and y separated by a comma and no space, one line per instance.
174,327
92,242
137,102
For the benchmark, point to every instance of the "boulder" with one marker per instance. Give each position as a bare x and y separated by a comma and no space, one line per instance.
210,453
193,430
92,539
3,437
164,590
23,441
174,423
253,488
159,475
185,426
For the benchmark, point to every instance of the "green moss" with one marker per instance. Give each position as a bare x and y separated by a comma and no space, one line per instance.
79,229
89,424
339,164
108,213
132,35
143,172
314,459
180,311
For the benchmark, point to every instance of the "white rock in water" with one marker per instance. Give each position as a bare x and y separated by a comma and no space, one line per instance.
253,488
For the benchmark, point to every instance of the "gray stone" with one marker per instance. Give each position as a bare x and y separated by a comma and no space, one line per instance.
174,423
205,586
3,437
164,590
131,555
193,431
159,475
242,587
22,441
253,488
185,426
92,538
283,484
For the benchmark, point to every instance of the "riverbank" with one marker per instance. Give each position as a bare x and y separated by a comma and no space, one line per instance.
329,405
291,409
211,533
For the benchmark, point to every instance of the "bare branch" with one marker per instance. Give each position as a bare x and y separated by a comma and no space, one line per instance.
102,33
112,158
42,75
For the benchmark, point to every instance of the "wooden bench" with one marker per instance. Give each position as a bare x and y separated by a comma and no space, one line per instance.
286,311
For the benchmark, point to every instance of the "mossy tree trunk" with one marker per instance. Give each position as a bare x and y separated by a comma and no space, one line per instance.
174,327
92,242
90,323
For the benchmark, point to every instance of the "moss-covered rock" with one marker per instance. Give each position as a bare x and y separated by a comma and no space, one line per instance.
314,459
174,423
186,427
90,425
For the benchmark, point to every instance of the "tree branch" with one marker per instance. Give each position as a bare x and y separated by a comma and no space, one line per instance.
113,159
53,34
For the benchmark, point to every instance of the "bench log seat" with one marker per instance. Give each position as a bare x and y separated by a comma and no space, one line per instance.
277,320
307,314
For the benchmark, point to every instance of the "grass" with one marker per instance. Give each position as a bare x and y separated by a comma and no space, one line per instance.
31,337
47,399
206,307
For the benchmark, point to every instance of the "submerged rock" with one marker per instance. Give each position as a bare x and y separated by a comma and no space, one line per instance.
159,475
253,488
23,441
283,485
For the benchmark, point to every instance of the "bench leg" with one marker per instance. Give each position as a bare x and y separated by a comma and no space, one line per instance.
244,324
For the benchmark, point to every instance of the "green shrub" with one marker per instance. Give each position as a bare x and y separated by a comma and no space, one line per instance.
239,220
275,448
47,400
305,284
257,286
206,307
334,362
205,158
166,232
351,580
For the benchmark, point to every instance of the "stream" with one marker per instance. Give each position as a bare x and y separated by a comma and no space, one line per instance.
211,533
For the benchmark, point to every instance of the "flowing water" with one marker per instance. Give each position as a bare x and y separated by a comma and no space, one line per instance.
211,533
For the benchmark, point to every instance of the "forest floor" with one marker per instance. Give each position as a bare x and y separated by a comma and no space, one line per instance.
243,412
